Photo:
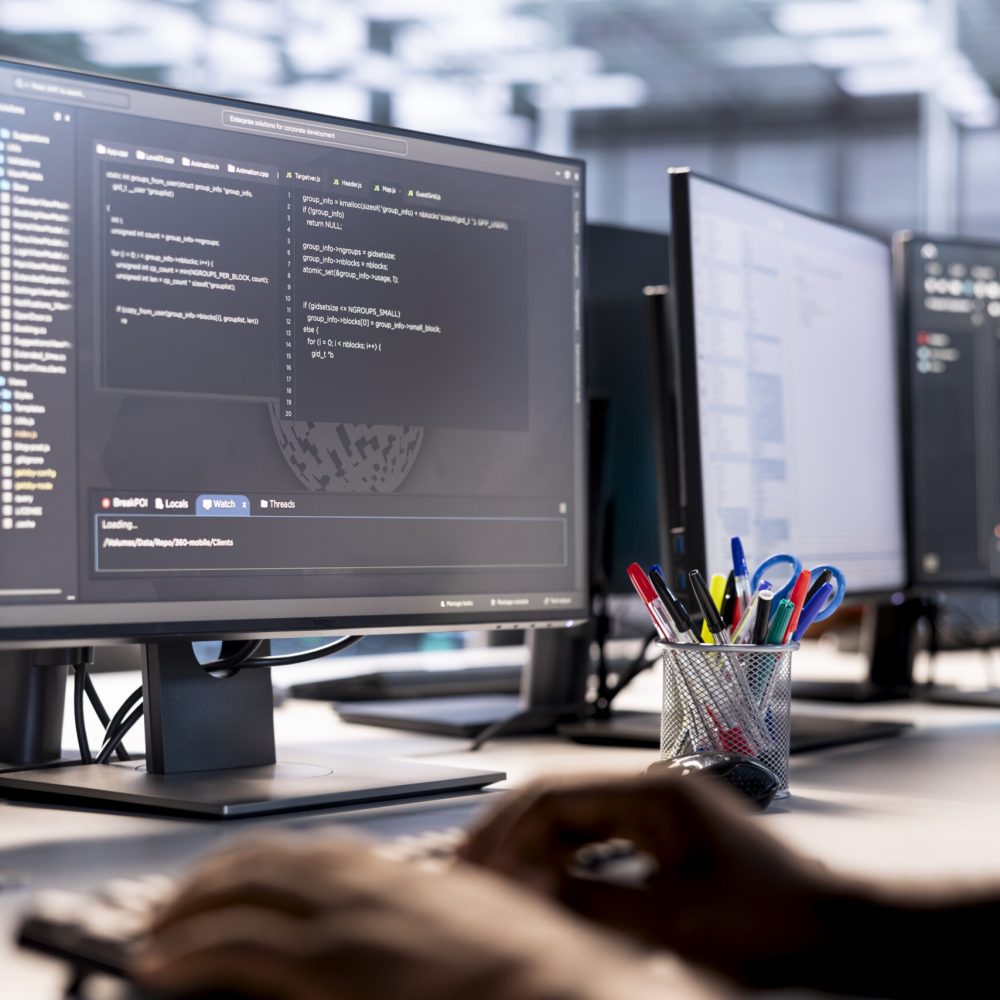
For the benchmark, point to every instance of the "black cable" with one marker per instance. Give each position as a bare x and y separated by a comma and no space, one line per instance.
118,735
235,660
102,713
635,667
550,713
310,654
79,688
95,701
115,723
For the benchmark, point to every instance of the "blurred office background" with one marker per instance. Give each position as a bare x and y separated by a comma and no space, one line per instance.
880,112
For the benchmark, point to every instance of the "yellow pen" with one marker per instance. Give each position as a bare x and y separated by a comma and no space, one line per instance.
717,589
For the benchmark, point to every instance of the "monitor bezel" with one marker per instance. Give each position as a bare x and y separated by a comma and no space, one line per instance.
313,625
690,553
902,245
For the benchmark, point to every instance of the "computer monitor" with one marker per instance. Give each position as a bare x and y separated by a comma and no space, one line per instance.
621,262
788,388
622,501
949,298
950,314
269,373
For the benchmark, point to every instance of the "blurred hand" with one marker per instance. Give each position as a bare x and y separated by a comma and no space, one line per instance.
294,919
725,894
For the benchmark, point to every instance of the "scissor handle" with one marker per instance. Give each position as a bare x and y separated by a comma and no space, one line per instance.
838,594
778,559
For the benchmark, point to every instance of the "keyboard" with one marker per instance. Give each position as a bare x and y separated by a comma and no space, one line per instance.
98,932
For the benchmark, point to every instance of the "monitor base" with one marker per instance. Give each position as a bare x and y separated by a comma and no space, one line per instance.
464,717
942,694
850,692
808,732
326,781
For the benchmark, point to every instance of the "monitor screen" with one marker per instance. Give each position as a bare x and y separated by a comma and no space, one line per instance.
263,371
789,389
625,526
951,332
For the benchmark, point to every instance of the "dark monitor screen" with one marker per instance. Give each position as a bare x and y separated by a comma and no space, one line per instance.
266,372
625,527
951,333
788,387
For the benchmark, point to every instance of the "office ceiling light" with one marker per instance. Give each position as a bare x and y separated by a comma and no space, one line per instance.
67,16
468,110
825,17
885,80
377,71
325,97
763,51
606,90
259,16
168,36
468,39
544,66
314,49
424,10
233,58
839,51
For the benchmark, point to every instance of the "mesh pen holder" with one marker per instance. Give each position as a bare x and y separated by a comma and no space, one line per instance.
734,698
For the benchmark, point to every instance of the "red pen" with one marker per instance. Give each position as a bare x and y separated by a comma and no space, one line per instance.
798,598
653,603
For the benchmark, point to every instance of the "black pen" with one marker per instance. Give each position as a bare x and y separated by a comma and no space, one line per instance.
720,634
682,620
760,623
825,577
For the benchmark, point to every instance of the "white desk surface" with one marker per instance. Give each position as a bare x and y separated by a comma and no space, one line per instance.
926,805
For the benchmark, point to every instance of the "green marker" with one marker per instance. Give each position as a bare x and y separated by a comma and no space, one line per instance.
779,623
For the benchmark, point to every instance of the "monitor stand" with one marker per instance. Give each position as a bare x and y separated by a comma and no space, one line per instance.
889,635
553,687
210,752
32,705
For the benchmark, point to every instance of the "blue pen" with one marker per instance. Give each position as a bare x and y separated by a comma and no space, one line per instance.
812,608
741,575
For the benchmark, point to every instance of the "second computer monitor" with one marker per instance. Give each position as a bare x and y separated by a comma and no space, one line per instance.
787,387
950,298
621,262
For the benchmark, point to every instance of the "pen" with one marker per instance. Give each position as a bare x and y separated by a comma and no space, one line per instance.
743,633
713,620
798,598
764,598
811,610
715,589
741,575
654,605
779,622
728,608
825,577
683,625
775,637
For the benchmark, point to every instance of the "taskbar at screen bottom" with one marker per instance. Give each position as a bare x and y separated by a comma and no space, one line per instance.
35,625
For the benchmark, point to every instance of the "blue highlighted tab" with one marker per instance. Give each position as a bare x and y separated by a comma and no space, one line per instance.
222,505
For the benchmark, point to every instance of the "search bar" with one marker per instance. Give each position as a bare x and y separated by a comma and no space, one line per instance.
305,131
56,91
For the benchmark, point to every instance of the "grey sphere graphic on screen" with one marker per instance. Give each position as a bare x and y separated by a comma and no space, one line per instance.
348,458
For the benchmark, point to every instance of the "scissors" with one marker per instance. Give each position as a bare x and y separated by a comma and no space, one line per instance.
795,564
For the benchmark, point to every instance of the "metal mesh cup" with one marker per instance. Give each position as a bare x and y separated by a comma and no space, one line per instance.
734,698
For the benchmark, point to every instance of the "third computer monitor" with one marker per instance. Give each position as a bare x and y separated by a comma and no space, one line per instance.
950,299
788,388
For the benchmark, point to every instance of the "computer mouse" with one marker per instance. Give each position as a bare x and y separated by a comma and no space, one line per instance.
743,774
